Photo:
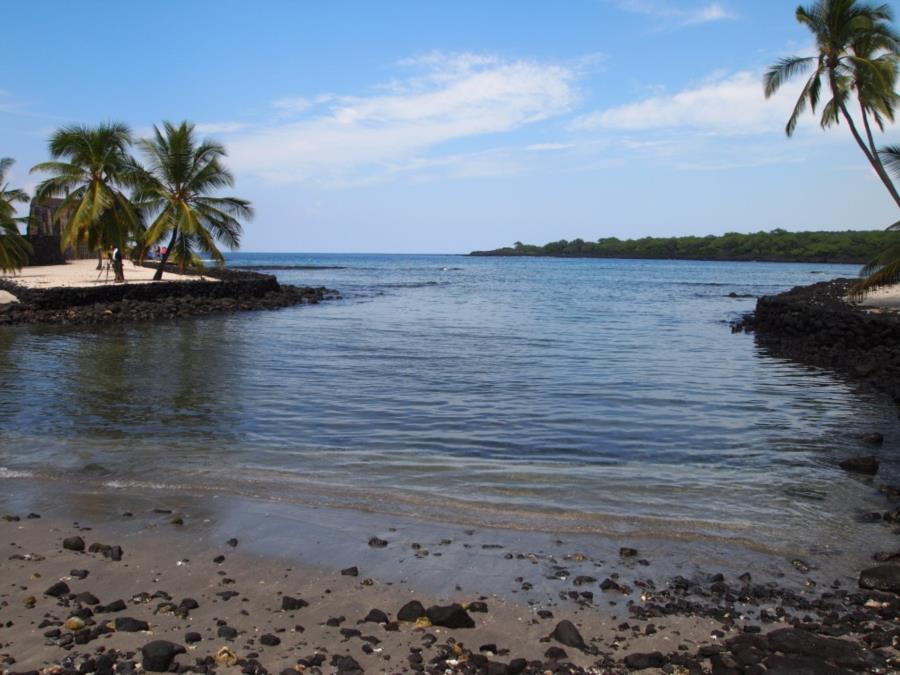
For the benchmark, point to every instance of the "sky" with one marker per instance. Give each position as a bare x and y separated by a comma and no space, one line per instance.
451,125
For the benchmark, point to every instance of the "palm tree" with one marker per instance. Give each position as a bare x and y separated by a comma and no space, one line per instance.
91,168
14,248
884,269
175,187
857,53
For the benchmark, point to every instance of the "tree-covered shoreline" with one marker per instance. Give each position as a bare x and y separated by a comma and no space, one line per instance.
850,246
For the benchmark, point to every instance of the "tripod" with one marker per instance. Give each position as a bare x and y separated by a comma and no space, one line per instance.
107,266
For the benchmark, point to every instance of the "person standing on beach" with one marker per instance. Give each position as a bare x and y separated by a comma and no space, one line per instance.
117,265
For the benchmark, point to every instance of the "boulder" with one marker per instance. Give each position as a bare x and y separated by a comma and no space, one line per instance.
566,633
450,616
867,466
644,661
411,611
159,655
881,578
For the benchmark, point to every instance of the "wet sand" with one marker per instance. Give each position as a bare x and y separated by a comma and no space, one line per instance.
238,561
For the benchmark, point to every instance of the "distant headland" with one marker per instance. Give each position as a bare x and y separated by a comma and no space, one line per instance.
850,246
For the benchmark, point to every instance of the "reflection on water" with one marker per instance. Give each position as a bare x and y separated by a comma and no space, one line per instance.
588,395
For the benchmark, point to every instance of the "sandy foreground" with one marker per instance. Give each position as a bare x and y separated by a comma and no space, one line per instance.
71,601
84,274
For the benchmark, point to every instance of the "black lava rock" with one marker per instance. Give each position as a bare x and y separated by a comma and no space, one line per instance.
881,578
269,640
57,590
73,544
864,465
289,604
644,661
375,542
450,616
566,633
350,572
125,624
376,616
159,655
192,637
411,611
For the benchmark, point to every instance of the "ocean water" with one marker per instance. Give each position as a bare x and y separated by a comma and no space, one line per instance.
591,396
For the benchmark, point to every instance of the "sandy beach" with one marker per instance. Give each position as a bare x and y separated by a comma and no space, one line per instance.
84,274
178,584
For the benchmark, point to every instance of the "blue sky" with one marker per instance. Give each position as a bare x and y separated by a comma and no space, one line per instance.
446,126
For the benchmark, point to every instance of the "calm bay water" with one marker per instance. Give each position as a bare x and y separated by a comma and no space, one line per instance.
566,395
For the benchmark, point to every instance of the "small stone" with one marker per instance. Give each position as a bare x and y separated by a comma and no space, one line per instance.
58,589
450,616
269,640
375,542
73,624
645,661
376,616
73,544
192,637
350,572
627,552
881,578
233,542
289,604
873,438
125,624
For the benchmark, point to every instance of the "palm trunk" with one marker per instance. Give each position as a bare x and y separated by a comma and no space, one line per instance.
162,263
877,163
873,159
99,259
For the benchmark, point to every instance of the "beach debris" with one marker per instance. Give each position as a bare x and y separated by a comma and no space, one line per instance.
566,633
867,465
73,544
801,565
226,657
73,623
375,542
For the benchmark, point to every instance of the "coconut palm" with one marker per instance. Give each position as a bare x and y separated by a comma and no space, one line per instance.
14,248
175,188
857,55
90,171
884,270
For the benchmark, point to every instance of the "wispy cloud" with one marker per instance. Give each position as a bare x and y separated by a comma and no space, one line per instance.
678,12
443,98
724,104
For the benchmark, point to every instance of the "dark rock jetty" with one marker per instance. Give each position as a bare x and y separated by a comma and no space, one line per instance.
232,291
816,326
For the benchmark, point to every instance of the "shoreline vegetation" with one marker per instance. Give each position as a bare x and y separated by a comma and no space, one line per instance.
844,247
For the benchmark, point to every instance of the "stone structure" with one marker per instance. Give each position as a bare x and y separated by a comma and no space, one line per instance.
45,232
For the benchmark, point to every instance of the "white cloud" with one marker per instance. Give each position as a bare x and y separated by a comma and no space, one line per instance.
732,104
683,14
449,98
220,127
545,147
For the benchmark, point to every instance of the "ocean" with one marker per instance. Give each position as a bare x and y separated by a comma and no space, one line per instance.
603,397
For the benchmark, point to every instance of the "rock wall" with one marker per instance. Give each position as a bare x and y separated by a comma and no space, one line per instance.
235,291
814,325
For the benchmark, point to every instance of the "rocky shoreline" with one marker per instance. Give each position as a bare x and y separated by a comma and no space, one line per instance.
815,326
232,291
155,593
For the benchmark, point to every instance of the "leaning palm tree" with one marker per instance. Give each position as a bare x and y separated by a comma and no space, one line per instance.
90,171
14,248
857,56
884,269
175,189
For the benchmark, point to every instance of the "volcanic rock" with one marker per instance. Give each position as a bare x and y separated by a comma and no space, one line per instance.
159,654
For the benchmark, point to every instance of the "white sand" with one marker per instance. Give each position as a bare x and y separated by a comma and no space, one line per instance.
83,273
882,298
